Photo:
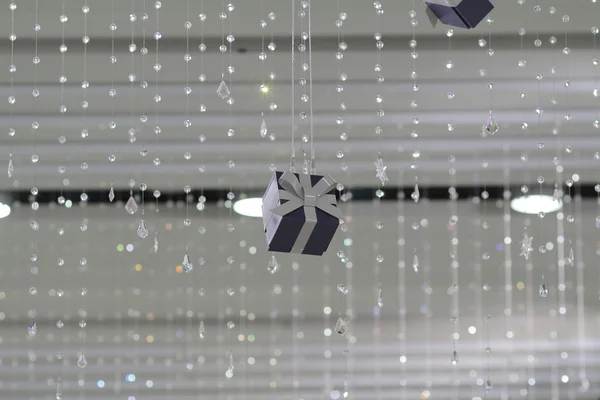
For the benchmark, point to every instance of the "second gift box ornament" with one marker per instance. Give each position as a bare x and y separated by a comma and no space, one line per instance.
300,213
459,13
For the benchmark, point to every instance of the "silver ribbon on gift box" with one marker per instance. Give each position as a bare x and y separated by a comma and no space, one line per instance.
301,193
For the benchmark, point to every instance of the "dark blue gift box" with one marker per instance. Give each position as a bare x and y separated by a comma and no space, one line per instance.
462,14
285,233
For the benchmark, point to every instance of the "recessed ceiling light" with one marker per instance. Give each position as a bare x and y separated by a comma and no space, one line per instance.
534,204
251,207
4,210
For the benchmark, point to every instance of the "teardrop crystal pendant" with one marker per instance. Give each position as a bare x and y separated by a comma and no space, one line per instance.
263,126
186,264
543,289
491,127
32,328
454,358
571,258
273,265
488,385
416,195
131,205
81,360
156,243
230,365
11,167
341,326
415,263
59,393
111,193
342,289
380,298
201,331
223,90
142,231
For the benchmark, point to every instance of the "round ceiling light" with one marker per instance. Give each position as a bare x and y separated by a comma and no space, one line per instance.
4,210
535,204
251,207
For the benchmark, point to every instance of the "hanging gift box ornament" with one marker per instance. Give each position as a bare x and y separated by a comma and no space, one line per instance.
460,13
300,213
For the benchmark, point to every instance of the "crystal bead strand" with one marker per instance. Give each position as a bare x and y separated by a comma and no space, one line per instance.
12,69
414,134
264,87
380,167
143,82
157,97
313,169
304,97
187,90
401,288
584,383
272,76
508,259
202,49
426,249
381,175
342,77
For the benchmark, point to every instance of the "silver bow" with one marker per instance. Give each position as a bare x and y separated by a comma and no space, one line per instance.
301,193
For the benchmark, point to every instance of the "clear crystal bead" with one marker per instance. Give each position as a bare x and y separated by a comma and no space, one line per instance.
454,358
342,289
81,360
263,128
273,265
156,243
491,126
223,90
415,263
186,264
341,326
201,331
415,195
380,298
11,168
32,328
111,194
131,207
142,231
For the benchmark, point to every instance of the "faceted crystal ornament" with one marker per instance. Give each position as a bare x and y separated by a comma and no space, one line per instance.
111,194
273,265
59,393
230,362
342,289
415,263
81,361
416,195
341,327
223,90
156,243
186,264
491,127
543,289
142,231
454,358
32,328
488,385
131,207
571,258
263,128
201,331
526,247
380,298
380,170
11,168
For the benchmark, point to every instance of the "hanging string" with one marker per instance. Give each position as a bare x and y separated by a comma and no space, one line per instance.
293,155
310,93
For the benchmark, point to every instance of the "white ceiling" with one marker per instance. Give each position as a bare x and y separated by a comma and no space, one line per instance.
117,293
